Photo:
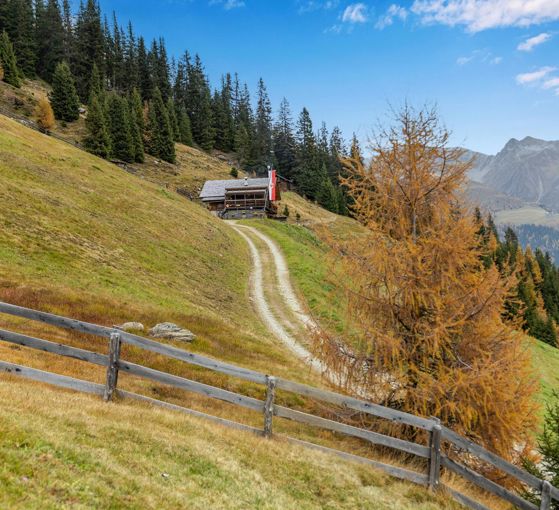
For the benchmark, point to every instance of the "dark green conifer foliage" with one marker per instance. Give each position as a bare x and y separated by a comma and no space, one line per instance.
199,105
284,141
122,143
19,22
184,128
308,176
96,84
263,129
68,31
548,448
89,46
327,196
160,133
136,125
97,141
63,98
144,74
8,61
49,38
173,120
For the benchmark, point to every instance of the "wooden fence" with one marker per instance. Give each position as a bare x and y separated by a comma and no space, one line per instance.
433,454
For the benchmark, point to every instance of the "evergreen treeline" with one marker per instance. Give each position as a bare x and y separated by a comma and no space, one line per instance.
138,100
535,298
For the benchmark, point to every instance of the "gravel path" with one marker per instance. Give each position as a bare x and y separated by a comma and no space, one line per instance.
282,284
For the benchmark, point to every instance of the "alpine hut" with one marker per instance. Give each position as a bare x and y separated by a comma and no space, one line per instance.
242,198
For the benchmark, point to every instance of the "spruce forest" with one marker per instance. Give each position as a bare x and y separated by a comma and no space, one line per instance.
140,100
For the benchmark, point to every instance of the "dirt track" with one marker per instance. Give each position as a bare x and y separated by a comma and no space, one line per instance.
274,297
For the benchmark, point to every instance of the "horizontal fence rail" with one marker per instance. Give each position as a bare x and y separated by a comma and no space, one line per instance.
436,460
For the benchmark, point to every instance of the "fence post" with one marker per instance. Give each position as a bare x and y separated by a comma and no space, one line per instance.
435,455
112,367
546,496
269,405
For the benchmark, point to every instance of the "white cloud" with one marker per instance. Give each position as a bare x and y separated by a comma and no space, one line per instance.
532,42
394,12
355,13
462,61
478,15
552,83
317,5
483,56
228,4
534,76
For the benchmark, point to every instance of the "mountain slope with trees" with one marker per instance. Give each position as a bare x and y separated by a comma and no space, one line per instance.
140,99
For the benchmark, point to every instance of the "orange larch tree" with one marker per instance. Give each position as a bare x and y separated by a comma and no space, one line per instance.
428,314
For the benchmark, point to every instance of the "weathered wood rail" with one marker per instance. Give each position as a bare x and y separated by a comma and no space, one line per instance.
433,454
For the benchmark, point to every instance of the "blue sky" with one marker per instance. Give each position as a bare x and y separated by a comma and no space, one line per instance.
488,64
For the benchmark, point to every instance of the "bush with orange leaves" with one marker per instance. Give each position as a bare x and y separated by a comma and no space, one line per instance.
430,336
44,115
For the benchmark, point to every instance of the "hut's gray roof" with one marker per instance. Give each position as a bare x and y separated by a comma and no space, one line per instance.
215,190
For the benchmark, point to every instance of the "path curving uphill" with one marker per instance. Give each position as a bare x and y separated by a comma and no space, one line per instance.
274,298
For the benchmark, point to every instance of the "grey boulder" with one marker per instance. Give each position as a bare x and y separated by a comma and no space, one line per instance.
131,326
171,331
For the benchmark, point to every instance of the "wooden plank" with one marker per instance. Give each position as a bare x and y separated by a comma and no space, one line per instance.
546,496
464,500
373,437
269,406
138,341
112,367
491,458
193,386
54,348
486,484
50,378
355,404
435,458
396,472
191,412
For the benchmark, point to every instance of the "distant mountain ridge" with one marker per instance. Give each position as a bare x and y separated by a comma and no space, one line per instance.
527,170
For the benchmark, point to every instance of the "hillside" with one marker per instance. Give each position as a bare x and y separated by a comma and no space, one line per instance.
83,238
64,450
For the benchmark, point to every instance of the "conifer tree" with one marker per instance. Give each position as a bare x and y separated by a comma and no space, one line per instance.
199,105
184,128
284,141
96,83
89,46
97,140
307,173
68,31
160,133
263,128
8,63
19,22
63,98
49,38
144,73
136,125
173,119
431,338
122,143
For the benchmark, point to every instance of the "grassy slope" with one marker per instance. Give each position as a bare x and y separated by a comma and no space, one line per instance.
308,259
63,450
83,238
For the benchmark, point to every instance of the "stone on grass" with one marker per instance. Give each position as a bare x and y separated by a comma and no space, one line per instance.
131,326
171,331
